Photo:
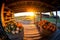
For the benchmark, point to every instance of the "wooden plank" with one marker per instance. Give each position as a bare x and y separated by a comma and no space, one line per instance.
2,14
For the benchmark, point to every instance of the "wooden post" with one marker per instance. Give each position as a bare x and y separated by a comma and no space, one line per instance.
56,17
40,16
2,14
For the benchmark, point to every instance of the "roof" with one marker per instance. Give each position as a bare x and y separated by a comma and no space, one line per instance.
40,5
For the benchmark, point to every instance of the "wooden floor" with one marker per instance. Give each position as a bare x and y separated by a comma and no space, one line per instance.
31,32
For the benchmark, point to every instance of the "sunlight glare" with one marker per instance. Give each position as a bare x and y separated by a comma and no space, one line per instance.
24,14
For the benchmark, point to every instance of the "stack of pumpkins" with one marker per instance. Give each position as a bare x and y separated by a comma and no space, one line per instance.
47,25
46,28
13,28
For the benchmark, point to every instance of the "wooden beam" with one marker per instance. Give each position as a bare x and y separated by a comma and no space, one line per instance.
26,2
2,14
56,18
40,16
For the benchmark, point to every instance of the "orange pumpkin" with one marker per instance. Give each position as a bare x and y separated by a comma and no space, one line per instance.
47,25
19,25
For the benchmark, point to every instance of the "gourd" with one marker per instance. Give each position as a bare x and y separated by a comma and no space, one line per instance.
47,25
46,28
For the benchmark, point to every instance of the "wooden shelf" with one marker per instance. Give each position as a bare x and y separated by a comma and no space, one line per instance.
9,20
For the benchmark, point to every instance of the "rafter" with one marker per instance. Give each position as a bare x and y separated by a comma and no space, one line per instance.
26,2
38,4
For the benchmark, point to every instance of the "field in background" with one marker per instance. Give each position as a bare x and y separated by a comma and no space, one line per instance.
51,19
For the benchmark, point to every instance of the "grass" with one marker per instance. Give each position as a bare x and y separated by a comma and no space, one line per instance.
51,19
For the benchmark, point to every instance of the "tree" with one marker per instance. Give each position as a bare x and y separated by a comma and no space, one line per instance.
51,14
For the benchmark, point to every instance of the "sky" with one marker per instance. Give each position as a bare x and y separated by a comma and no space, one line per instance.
54,12
24,14
31,13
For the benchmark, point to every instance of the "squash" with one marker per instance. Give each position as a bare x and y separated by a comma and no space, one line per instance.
19,25
47,25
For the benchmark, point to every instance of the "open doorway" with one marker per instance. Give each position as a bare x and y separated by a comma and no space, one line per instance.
25,17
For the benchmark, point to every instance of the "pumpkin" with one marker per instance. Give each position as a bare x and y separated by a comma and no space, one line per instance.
19,25
47,25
